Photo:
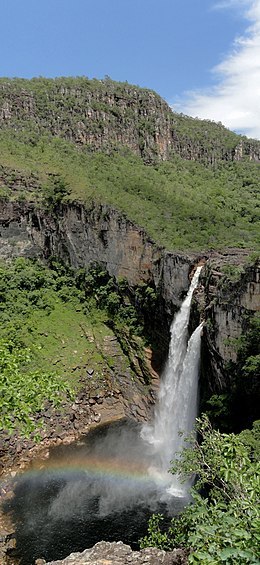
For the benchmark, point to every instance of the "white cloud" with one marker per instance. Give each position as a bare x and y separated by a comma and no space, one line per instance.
235,99
223,4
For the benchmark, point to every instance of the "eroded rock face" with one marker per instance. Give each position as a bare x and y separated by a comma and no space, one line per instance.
228,308
99,114
117,553
81,236
103,115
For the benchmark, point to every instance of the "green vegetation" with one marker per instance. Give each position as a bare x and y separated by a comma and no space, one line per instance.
53,89
232,274
210,201
131,307
43,309
90,112
47,340
58,105
53,324
181,204
245,375
130,312
222,525
23,391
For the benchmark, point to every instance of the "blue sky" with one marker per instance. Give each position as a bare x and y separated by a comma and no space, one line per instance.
171,46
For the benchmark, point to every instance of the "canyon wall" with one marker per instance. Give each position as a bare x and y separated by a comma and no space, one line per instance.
105,115
82,236
228,308
97,234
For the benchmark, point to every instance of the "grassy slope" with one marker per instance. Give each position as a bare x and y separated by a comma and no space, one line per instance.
42,309
181,204
66,339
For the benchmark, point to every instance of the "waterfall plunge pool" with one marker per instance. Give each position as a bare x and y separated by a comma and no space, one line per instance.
98,488
106,486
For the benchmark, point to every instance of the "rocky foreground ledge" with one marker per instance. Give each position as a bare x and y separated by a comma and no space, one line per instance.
117,553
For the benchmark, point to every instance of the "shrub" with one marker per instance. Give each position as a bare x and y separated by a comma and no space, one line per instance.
223,525
23,392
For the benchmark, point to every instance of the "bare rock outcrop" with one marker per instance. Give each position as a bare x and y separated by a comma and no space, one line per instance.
117,553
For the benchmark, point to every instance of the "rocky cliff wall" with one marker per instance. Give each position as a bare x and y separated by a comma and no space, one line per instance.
105,114
97,234
228,307
98,114
81,236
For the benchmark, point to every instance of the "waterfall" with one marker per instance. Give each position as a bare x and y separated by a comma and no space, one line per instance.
177,402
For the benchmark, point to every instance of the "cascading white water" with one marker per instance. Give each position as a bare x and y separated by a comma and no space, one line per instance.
177,403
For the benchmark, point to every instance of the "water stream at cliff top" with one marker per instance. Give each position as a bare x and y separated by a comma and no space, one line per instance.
106,485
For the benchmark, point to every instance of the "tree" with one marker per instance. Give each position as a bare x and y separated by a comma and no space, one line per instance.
222,524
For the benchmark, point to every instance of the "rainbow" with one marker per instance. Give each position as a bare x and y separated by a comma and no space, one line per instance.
93,467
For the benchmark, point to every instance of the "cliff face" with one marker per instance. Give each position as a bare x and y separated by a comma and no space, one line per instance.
99,234
228,308
99,115
105,114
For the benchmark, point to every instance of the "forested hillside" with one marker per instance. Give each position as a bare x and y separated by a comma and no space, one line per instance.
190,184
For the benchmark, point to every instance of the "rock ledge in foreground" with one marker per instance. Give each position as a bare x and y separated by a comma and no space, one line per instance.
117,553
